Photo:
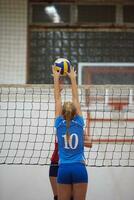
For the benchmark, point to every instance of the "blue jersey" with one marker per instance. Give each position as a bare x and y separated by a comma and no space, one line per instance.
71,151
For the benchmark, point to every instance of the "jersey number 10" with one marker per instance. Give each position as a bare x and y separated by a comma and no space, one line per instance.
69,145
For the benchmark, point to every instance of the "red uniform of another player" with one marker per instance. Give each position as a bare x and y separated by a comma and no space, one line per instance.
55,156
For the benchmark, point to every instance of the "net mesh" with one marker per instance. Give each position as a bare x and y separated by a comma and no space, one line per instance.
27,132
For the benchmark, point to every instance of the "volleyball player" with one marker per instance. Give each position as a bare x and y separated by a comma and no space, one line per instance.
53,170
72,174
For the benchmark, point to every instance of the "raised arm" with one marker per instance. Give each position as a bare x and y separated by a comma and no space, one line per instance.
87,136
87,139
57,94
75,96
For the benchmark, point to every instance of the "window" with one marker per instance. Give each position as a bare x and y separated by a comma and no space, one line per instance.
95,13
50,13
128,12
76,14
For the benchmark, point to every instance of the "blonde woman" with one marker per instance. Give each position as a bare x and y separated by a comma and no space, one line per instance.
72,174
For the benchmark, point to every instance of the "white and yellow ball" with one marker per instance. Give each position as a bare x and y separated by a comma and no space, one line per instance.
63,65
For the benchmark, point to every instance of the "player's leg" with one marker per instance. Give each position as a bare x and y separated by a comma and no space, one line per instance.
79,191
80,181
64,191
53,181
71,198
64,183
53,171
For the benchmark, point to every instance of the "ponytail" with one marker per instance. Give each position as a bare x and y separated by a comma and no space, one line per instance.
68,113
68,119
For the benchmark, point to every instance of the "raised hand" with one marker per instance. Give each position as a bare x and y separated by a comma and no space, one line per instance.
72,73
55,74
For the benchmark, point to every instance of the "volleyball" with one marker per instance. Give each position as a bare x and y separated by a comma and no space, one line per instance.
63,65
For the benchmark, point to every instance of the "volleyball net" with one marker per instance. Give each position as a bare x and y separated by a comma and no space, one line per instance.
27,131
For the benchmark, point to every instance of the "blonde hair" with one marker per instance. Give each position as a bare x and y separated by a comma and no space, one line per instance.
68,112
